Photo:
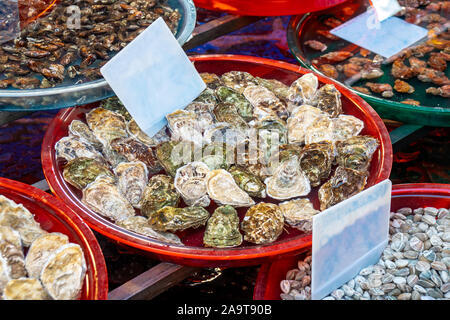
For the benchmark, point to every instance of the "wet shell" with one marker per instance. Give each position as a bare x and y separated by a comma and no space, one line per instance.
299,213
227,112
190,182
204,114
328,99
222,229
265,102
207,96
285,152
174,154
72,147
132,178
63,274
238,80
135,131
10,235
248,182
81,130
320,130
25,289
242,105
272,132
263,223
356,152
103,197
223,189
14,259
160,192
278,88
316,160
211,80
288,181
346,126
106,125
184,126
4,276
299,121
218,155
40,251
114,104
176,219
302,91
223,132
79,172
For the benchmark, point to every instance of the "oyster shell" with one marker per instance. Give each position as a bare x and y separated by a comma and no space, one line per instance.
184,126
14,258
207,96
288,181
112,157
25,289
114,104
174,154
342,185
160,192
135,131
316,160
302,91
277,87
262,223
140,225
211,80
222,229
103,197
218,155
10,235
328,99
79,172
320,130
285,152
204,114
223,189
265,103
223,132
248,182
63,274
191,184
272,133
299,213
346,126
299,121
356,152
227,112
40,251
81,130
238,80
72,147
242,105
106,125
132,178
175,219
4,276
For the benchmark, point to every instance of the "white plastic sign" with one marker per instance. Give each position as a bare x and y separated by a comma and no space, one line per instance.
385,8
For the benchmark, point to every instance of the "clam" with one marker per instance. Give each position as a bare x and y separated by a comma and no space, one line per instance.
159,192
223,189
132,178
175,219
222,228
262,223
190,182
299,213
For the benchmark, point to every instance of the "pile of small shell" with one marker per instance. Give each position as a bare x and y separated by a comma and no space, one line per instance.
414,266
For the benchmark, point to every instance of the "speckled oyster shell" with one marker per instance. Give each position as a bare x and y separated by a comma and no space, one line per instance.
299,213
174,154
103,197
302,91
63,274
328,99
265,103
135,131
262,223
25,289
207,96
81,130
316,160
238,80
106,125
10,235
211,80
346,126
242,105
248,182
79,172
140,225
204,114
190,182
40,251
223,189
223,132
176,219
222,229
72,147
342,185
320,130
356,152
132,178
160,192
13,257
288,181
299,121
114,104
20,219
277,87
227,112
184,126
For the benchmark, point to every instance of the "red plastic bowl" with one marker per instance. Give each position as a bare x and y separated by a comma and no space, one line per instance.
54,216
266,7
403,195
193,253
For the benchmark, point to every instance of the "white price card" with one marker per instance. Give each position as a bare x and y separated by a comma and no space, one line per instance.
153,76
9,20
348,237
385,8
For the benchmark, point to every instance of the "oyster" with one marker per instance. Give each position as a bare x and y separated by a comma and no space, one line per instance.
288,181
346,126
248,182
218,155
140,225
316,160
174,154
106,125
136,132
223,132
342,185
328,99
132,178
204,114
320,130
299,121
242,105
302,91
103,197
278,88
223,189
63,274
211,80
207,96
79,172
160,192
356,152
238,80
222,229
191,184
10,235
13,258
227,112
265,103
272,132
112,156
175,219
81,130
114,104
285,152
262,223
4,276
25,289
40,251
20,219
183,125
299,213
72,147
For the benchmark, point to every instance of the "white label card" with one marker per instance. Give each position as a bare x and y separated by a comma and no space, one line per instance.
153,76
385,8
348,237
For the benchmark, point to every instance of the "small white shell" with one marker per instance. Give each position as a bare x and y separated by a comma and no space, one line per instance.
190,182
223,189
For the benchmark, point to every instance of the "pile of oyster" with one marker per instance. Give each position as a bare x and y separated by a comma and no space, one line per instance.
52,268
245,142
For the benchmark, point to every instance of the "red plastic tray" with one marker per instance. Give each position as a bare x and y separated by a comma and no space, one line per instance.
193,253
54,216
266,7
414,196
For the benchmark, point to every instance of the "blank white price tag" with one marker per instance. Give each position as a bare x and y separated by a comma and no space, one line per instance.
385,8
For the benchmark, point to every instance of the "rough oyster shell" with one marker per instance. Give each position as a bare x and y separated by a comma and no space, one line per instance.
79,172
184,126
302,91
191,184
299,213
204,114
112,156
175,219
160,192
207,96
346,126
227,112
81,130
63,274
328,99
218,155
223,132
106,125
356,152
238,80
316,160
272,133
72,147
285,152
211,80
25,289
40,251
223,189
299,121
262,223
132,178
342,185
135,131
103,197
320,130
265,103
174,154
4,276
114,104
14,259
10,235
288,181
222,229
242,105
248,182
278,88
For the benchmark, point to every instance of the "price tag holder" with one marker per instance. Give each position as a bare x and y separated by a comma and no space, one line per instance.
9,20
153,76
348,237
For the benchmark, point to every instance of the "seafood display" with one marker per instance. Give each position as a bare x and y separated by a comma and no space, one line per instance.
241,163
36,264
